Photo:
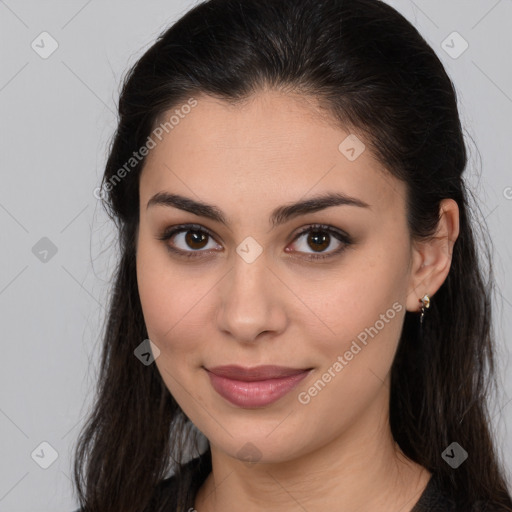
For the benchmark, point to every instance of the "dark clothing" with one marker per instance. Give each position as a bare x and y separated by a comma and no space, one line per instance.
431,500
194,473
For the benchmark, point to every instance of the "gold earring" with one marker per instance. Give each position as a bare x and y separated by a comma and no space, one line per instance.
425,304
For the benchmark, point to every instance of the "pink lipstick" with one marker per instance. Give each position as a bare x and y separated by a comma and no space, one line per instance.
254,387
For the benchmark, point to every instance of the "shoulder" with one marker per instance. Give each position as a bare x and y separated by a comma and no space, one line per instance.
186,482
435,498
189,477
196,470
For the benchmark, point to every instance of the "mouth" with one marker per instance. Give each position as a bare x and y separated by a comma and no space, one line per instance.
254,387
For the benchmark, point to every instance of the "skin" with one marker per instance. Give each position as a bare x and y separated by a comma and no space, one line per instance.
337,451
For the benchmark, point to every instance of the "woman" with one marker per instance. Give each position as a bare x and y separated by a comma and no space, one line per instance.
298,283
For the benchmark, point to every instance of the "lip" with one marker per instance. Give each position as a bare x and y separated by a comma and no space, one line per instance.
254,387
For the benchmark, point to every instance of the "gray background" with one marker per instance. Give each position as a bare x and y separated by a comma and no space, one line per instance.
57,115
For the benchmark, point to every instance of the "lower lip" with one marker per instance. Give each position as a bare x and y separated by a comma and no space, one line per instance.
257,393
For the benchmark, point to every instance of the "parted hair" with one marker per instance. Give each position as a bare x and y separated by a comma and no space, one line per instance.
373,72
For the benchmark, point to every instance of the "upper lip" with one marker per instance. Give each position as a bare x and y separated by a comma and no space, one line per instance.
256,373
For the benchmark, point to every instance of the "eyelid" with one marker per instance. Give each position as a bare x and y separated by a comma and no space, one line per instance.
180,228
323,227
169,232
344,238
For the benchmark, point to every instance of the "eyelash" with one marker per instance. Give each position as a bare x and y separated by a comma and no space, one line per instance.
339,235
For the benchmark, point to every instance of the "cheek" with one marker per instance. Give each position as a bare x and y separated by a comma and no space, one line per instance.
167,300
161,293
366,313
174,303
357,296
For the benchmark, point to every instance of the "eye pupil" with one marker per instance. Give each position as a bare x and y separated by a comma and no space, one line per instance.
318,238
195,237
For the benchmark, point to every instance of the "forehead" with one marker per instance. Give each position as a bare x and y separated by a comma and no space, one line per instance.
269,149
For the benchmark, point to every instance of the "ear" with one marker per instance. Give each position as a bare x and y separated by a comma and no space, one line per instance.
431,258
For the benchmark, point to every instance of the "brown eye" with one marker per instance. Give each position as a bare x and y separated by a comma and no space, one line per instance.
318,239
196,239
188,240
191,241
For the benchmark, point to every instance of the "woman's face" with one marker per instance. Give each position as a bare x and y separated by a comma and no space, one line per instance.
245,292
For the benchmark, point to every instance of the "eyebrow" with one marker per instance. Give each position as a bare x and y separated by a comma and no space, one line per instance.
279,215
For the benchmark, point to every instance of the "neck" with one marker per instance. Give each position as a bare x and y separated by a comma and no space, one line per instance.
361,470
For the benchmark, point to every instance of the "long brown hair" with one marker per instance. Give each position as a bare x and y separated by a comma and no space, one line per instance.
371,70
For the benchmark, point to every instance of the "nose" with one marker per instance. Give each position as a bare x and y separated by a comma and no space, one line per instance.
251,301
